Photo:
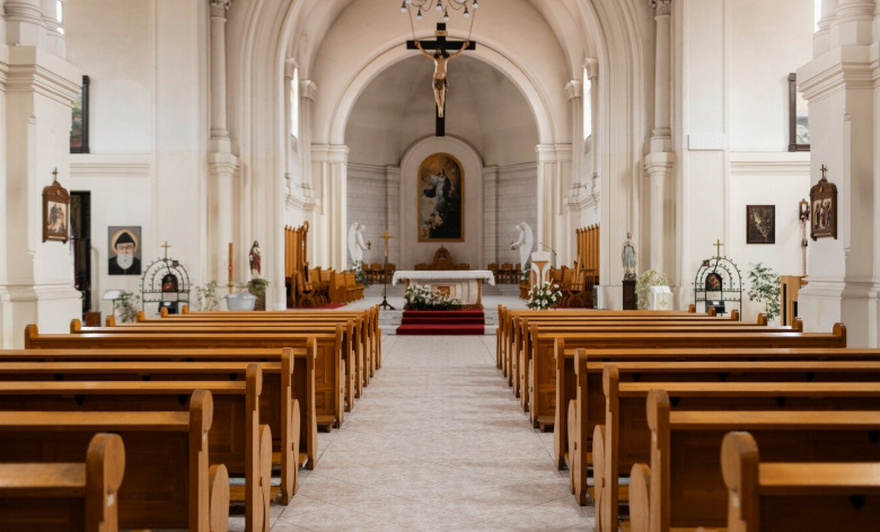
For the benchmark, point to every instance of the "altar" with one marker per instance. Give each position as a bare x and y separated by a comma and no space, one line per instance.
466,285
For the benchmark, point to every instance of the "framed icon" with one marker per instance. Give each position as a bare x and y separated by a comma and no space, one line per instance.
760,224
56,213
823,209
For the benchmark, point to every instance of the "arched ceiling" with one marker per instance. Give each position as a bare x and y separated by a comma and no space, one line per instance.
484,108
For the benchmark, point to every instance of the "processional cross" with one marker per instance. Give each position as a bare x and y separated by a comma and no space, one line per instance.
441,56
386,237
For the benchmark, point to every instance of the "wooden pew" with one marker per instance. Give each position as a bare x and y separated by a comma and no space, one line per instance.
802,496
363,329
541,383
171,446
236,439
351,355
329,370
525,350
634,432
275,364
79,496
278,409
591,431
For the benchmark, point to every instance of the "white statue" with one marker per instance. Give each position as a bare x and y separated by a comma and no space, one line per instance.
525,241
628,257
356,245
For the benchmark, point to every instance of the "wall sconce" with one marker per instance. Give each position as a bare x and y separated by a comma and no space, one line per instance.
804,210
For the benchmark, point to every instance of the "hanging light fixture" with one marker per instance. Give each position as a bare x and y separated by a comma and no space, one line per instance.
441,6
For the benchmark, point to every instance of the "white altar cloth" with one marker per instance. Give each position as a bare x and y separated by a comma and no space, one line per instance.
442,275
465,285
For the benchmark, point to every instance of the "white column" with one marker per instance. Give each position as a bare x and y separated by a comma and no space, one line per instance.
592,66
219,129
822,37
491,242
24,23
307,93
36,277
574,90
554,172
222,163
329,247
842,284
659,249
54,39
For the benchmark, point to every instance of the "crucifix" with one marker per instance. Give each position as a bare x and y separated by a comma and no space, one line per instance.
441,57
386,237
718,245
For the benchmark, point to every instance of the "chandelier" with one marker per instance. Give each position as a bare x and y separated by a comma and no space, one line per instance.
441,6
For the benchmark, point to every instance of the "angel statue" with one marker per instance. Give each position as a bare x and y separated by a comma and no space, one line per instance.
525,240
356,245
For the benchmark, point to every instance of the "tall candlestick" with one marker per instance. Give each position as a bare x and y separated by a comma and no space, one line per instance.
230,268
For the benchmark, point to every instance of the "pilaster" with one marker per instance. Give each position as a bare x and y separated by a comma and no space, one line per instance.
329,247
555,231
24,23
36,277
490,215
219,130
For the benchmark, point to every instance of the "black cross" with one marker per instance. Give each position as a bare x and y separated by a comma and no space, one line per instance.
441,44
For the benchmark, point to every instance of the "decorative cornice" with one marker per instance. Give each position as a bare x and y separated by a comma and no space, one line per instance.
117,166
308,89
574,89
220,7
661,7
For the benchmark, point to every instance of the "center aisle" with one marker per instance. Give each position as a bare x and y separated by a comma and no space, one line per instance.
438,442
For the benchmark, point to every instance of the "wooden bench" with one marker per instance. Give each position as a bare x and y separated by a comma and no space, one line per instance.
634,431
525,351
171,446
685,485
329,367
79,496
802,496
541,383
587,406
236,439
365,330
278,409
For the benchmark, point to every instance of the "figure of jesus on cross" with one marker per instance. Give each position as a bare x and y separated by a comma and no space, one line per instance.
441,57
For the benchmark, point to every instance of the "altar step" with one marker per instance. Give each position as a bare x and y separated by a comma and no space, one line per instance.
442,322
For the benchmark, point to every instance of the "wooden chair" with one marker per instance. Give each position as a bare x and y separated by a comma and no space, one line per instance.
506,272
376,272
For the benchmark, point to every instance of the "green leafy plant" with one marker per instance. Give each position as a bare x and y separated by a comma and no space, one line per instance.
258,286
764,288
524,273
207,295
421,297
644,282
126,306
359,276
544,296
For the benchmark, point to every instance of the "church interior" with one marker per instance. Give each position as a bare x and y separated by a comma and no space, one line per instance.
669,156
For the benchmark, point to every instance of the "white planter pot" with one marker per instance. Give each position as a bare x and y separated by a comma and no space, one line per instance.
240,301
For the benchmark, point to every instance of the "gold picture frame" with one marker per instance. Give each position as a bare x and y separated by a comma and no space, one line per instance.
441,199
56,213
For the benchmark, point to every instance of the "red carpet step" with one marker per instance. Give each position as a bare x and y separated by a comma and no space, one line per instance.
442,322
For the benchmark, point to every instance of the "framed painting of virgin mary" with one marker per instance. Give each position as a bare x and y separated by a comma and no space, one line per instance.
441,199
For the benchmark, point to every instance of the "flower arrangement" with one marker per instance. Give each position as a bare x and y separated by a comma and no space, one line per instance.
524,273
644,282
765,288
421,297
544,296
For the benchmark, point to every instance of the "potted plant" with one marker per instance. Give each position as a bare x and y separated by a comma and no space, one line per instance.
644,282
126,306
764,289
241,300
207,296
258,287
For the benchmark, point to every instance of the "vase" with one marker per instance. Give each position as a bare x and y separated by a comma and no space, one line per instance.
240,301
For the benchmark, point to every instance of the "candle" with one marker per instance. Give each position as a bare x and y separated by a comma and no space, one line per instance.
230,263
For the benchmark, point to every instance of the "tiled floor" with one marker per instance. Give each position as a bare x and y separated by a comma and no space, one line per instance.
437,443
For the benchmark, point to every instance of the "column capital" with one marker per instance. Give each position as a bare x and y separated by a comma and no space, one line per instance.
308,89
220,7
661,7
574,89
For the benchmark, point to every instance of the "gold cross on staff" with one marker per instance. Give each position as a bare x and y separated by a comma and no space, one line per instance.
386,237
718,245
166,246
55,175
823,169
